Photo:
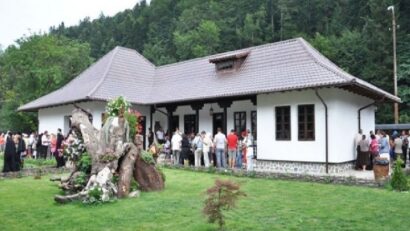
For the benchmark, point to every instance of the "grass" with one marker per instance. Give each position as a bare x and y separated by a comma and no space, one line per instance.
32,163
27,204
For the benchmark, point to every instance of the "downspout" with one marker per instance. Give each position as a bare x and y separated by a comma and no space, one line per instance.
364,107
326,131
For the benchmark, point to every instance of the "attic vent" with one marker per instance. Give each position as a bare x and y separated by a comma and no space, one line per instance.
230,62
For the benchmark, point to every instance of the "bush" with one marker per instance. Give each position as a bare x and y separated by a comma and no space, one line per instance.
399,181
222,196
147,157
84,164
81,179
94,195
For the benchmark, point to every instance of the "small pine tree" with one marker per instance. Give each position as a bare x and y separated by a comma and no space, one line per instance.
399,181
222,196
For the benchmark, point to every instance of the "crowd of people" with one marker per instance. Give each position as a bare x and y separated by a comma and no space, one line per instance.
19,146
201,149
382,145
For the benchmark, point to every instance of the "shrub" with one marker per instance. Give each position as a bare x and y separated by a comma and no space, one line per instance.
134,185
399,181
147,157
81,179
114,106
132,120
222,196
84,164
94,195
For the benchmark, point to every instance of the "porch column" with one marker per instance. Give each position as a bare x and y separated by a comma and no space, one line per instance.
197,106
152,110
253,100
225,104
170,109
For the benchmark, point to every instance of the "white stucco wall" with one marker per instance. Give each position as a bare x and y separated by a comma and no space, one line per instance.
342,121
205,119
52,118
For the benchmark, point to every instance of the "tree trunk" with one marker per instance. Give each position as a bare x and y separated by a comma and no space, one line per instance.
147,176
126,170
110,152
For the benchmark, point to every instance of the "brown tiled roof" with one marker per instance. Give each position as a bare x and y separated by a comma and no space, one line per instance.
282,66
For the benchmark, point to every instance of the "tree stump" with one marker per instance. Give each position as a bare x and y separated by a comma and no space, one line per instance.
113,154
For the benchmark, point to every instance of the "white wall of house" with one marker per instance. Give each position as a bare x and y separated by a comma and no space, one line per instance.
205,119
342,122
52,118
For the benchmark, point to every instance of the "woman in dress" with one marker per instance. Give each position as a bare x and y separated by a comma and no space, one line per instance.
185,149
53,148
9,153
363,158
20,151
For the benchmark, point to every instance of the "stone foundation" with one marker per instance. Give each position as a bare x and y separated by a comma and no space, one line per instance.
301,167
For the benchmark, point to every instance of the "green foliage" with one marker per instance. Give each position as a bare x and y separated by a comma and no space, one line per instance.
84,164
81,179
94,195
132,122
34,67
147,157
115,179
134,185
115,106
221,197
28,162
399,180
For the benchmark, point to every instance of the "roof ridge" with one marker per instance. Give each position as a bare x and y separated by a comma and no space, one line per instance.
139,54
115,51
225,52
309,48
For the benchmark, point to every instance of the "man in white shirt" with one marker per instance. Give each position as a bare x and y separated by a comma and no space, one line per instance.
249,150
45,142
176,146
160,135
220,143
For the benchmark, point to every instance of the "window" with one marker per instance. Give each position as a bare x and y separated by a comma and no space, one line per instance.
239,122
253,125
306,122
282,123
230,62
189,123
225,65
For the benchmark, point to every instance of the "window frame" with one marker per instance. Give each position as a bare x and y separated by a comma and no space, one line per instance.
280,111
242,117
254,124
191,118
305,123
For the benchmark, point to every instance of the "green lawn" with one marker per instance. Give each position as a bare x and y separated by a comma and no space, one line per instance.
27,204
32,163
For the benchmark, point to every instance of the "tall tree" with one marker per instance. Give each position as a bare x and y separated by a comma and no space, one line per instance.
38,65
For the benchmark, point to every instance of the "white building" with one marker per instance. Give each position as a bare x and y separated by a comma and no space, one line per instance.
302,108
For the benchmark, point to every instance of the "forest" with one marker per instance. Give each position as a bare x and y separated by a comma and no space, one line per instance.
354,34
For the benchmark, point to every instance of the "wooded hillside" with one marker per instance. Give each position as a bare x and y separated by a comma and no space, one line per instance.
355,34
